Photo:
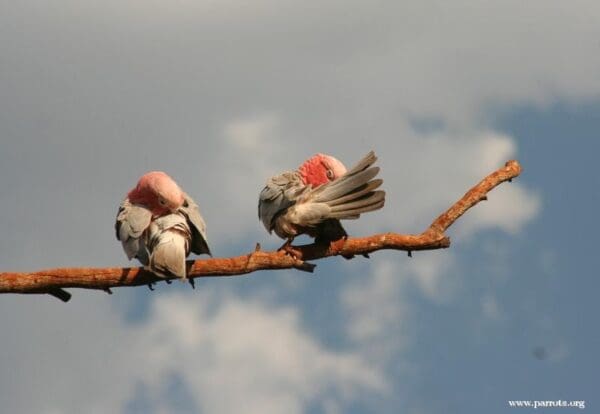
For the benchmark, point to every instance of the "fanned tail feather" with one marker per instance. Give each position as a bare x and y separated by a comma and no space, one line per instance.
353,193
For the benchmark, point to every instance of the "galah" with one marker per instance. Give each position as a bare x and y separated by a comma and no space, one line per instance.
159,224
313,199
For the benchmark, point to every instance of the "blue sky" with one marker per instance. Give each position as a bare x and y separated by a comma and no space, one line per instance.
221,95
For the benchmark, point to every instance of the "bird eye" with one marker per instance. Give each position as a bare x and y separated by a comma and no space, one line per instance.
329,174
162,201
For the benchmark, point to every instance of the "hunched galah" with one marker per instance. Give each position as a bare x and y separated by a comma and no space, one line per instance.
159,224
313,199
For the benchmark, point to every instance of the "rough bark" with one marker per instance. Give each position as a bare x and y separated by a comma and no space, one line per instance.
54,281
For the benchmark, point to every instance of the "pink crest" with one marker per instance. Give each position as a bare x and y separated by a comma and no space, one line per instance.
321,169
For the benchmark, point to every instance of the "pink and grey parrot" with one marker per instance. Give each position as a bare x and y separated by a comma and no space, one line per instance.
313,199
159,224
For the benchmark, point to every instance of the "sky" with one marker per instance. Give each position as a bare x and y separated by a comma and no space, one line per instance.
222,95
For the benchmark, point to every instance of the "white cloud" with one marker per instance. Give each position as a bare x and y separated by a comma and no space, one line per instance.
378,311
248,356
424,59
508,208
377,315
252,149
377,308
372,307
434,274
420,58
251,135
234,355
64,359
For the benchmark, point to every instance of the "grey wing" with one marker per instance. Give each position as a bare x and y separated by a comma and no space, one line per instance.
132,221
344,198
191,211
307,214
280,193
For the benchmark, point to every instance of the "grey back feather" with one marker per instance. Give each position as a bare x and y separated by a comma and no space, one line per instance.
280,192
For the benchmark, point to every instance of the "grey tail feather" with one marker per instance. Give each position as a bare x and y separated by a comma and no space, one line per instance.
369,202
162,263
360,202
162,270
349,183
360,191
364,163
353,193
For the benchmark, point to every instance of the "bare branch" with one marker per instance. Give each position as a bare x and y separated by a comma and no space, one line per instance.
53,281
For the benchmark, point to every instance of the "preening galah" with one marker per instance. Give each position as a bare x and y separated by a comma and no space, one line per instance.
313,199
159,224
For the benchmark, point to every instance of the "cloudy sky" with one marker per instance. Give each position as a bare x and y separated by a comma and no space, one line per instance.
223,94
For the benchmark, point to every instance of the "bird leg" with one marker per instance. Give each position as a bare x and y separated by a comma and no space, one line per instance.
331,233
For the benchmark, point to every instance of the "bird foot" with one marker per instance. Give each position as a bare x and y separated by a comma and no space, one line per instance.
288,249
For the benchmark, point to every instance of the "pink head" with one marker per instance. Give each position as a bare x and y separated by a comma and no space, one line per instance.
320,169
158,192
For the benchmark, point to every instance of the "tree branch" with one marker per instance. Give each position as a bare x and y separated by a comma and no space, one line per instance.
55,280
